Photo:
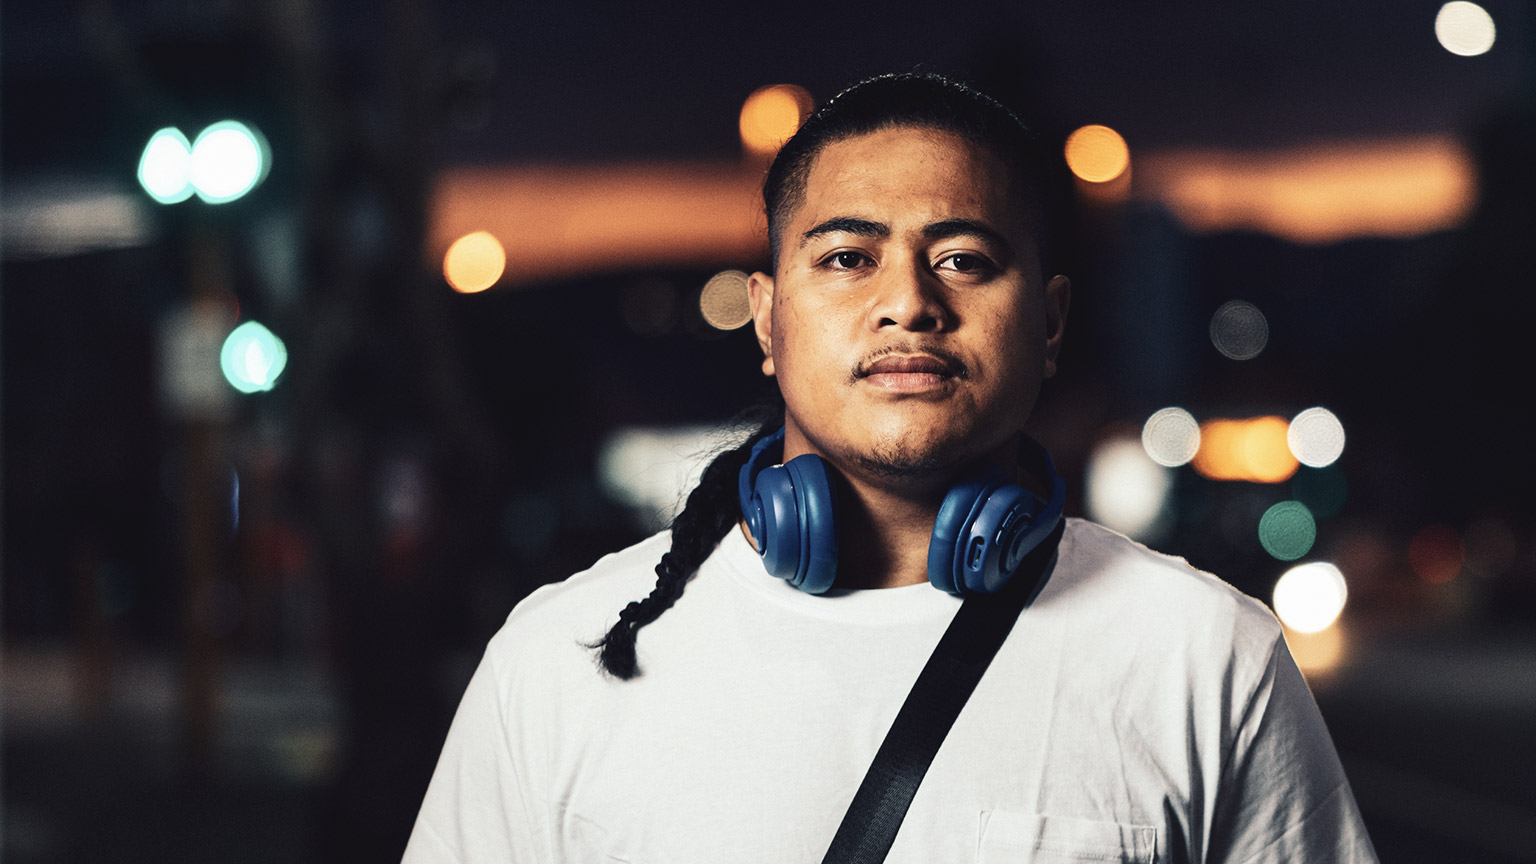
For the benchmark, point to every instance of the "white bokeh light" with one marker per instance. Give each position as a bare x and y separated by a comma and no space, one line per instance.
1126,490
652,469
165,167
228,160
1171,437
1309,597
1316,437
252,358
724,302
1465,29
1239,330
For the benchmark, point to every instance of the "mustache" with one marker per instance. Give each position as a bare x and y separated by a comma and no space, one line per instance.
947,363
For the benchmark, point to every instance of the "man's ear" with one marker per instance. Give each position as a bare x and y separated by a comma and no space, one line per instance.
760,295
1058,297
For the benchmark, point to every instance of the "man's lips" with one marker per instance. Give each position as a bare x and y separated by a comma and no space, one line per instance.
911,373
922,364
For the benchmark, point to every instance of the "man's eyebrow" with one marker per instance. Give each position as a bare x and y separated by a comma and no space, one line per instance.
958,227
847,225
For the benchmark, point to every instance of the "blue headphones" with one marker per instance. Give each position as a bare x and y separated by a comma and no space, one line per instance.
985,526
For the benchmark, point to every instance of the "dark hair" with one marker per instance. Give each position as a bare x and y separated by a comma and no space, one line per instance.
920,99
913,99
711,510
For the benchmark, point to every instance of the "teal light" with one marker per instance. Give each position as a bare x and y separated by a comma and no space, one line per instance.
1287,530
252,358
165,168
228,159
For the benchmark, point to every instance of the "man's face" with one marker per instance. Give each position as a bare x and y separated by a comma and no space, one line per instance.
907,322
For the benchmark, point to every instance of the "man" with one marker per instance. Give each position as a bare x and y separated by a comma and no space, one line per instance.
1139,710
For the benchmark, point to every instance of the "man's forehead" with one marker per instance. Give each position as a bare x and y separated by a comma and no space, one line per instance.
907,175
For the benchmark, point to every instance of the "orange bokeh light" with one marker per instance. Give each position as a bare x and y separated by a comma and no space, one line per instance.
1436,554
1316,653
474,262
1252,449
1320,193
771,115
1097,154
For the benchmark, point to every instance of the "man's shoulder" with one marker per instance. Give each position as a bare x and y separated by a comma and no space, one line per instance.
1128,576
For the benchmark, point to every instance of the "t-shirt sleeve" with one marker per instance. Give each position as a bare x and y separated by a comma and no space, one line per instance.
477,807
1283,795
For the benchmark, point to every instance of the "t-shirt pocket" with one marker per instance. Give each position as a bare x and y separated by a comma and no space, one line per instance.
1029,838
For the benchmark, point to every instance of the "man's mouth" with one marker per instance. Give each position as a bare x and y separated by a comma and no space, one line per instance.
911,372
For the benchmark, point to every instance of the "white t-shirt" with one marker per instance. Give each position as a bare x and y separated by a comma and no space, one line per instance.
1140,711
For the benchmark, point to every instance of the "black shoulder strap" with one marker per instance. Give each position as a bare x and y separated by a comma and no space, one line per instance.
962,655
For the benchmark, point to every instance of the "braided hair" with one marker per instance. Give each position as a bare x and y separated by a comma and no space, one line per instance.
711,510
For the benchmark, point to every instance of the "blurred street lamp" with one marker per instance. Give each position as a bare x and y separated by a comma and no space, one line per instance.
227,160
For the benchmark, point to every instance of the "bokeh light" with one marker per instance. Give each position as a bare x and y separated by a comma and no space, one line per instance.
1287,530
1309,597
1465,29
1316,653
1171,437
1400,186
1254,450
724,302
1316,437
1097,154
234,502
652,469
228,159
1126,490
474,262
771,115
1239,330
1436,554
165,168
252,358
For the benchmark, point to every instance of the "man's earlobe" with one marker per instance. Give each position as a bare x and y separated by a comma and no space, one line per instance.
1058,298
760,296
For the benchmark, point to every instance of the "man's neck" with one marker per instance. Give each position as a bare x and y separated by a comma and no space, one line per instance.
883,536
884,528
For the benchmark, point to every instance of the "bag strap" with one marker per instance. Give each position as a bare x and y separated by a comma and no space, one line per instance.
946,682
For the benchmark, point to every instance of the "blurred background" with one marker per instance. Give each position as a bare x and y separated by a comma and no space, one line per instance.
331,329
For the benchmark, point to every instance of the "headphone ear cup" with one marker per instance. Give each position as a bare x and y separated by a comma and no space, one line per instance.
799,531
992,552
778,519
974,548
949,528
818,523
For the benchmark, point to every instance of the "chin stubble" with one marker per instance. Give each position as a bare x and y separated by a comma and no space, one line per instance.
897,463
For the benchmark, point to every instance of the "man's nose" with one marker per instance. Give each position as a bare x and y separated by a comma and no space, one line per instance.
910,297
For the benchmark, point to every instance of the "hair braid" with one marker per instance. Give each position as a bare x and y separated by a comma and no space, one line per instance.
711,510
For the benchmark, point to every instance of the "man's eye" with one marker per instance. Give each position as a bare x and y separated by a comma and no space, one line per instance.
846,260
963,263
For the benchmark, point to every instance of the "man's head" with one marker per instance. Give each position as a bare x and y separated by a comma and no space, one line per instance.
908,320
915,100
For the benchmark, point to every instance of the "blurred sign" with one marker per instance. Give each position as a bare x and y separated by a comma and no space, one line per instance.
192,385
